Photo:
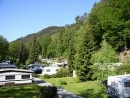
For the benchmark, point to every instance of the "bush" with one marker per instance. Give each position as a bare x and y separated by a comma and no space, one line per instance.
62,82
36,75
48,91
63,72
125,68
46,76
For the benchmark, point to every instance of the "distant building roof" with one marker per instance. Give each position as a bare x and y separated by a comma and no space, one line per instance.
33,65
4,65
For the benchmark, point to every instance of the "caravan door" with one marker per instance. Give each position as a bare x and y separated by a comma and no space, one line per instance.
126,88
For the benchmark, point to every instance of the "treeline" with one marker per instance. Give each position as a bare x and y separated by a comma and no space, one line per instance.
96,37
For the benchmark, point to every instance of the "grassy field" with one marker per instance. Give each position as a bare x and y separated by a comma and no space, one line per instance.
19,92
89,89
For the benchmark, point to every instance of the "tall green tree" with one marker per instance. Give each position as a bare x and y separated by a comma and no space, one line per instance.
44,42
52,47
22,54
71,53
102,61
59,47
14,50
83,56
35,50
4,48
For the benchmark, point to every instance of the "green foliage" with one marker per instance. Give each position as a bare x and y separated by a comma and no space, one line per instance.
71,54
62,82
22,53
4,46
51,49
101,61
105,55
83,55
34,51
111,19
13,50
48,91
44,42
36,75
60,48
125,68
63,72
46,76
125,53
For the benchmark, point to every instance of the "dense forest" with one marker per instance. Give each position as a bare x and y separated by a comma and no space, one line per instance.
95,37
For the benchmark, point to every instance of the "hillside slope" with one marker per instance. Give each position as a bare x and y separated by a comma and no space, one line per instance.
124,56
49,30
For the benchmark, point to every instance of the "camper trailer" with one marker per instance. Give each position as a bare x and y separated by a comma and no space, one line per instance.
50,70
15,76
118,86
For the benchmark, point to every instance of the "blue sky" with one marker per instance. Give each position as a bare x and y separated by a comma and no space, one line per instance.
19,18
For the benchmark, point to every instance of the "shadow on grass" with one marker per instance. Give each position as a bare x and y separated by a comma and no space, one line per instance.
91,93
19,92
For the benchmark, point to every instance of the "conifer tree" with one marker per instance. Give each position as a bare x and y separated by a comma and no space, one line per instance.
22,54
4,46
71,54
83,56
34,50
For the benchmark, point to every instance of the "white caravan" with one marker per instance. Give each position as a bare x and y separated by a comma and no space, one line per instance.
15,76
118,86
50,70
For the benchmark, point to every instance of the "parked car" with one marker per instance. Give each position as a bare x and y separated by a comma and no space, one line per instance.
37,70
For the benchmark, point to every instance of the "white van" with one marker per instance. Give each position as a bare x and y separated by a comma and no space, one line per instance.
118,86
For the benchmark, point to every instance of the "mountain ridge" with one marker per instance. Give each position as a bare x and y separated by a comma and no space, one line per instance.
46,31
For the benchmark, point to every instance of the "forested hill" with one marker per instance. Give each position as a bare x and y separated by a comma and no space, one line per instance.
46,31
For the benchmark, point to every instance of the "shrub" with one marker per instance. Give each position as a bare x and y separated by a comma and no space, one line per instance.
54,76
36,75
125,68
48,91
63,72
62,82
46,76
125,53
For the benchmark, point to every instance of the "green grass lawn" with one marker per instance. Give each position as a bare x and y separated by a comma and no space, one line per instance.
89,89
19,92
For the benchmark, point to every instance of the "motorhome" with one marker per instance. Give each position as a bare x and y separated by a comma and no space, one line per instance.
118,86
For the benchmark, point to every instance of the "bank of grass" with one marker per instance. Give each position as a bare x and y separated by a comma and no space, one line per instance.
89,89
20,92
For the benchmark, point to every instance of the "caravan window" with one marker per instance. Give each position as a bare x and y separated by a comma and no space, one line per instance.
114,84
126,84
10,77
25,76
57,69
